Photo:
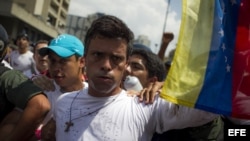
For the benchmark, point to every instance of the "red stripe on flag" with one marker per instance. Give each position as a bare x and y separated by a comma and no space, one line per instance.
241,68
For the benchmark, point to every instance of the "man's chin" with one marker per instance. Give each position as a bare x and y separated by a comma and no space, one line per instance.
59,81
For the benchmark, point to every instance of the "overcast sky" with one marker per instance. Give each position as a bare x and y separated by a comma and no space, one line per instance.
143,17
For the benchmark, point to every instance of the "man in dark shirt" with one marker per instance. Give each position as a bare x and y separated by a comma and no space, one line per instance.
16,90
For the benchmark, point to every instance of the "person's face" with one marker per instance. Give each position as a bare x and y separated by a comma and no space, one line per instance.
136,67
67,72
105,65
41,61
22,43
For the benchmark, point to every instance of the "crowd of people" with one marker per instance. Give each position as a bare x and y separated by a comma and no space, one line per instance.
68,90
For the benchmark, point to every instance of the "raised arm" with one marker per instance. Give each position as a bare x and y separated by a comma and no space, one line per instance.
166,39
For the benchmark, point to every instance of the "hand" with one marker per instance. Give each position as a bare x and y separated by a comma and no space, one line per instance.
43,82
148,94
48,131
167,37
132,93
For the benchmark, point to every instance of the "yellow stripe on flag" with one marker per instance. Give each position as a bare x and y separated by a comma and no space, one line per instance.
186,76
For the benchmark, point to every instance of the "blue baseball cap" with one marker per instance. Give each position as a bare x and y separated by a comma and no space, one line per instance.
64,45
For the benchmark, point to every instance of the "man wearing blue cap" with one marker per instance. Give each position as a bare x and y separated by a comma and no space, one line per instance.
66,62
64,45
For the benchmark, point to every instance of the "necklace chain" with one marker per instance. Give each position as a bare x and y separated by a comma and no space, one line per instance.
70,123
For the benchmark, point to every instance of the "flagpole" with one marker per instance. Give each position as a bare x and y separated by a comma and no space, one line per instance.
166,16
165,22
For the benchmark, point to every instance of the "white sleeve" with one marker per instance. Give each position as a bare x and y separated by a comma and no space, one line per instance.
171,116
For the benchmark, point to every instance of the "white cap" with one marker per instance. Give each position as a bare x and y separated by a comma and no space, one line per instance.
132,83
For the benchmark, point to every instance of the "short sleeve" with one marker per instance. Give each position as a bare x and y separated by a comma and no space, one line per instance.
18,88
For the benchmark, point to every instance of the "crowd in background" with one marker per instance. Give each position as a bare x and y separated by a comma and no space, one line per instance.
39,61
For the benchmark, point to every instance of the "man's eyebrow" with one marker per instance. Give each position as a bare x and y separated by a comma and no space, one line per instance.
135,63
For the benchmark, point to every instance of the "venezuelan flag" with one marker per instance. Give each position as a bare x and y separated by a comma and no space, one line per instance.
211,66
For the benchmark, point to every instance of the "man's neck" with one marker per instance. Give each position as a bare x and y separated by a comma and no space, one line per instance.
95,93
73,87
22,51
42,69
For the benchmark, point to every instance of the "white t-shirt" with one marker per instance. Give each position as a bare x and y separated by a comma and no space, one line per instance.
52,97
30,74
22,62
120,117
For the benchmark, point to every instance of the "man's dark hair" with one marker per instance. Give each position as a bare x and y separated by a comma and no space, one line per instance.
110,27
40,42
23,35
153,63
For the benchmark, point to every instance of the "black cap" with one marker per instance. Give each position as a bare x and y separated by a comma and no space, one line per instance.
21,35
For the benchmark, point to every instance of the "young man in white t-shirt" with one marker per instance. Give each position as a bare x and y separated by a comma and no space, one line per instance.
103,110
22,58
66,62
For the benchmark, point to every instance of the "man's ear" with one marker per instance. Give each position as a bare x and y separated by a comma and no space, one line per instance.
82,62
126,65
153,79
